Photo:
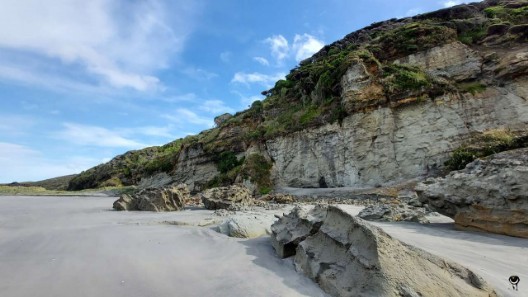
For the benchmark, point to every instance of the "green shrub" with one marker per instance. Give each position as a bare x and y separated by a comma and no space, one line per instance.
227,161
472,36
402,78
257,169
514,15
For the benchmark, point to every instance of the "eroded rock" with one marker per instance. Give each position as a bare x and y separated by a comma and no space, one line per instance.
294,227
393,213
488,195
246,226
232,197
280,198
154,199
347,256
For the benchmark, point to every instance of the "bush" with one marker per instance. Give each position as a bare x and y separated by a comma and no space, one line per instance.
402,78
257,169
227,161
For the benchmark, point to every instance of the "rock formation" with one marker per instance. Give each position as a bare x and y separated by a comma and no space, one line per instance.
231,197
393,213
347,256
154,199
246,225
279,198
387,103
490,194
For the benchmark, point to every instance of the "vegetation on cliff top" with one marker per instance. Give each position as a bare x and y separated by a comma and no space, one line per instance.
311,94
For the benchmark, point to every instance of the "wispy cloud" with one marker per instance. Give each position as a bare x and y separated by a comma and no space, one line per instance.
225,56
87,135
15,125
184,116
215,107
19,162
255,77
110,41
261,61
199,74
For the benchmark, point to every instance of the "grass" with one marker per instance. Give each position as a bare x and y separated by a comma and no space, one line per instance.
40,191
515,16
484,144
471,87
472,36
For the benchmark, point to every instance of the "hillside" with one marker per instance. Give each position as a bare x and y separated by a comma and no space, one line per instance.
385,103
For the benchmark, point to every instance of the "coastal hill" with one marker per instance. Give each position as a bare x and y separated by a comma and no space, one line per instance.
397,100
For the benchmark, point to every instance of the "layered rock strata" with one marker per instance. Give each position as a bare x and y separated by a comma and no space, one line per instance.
231,197
490,194
154,199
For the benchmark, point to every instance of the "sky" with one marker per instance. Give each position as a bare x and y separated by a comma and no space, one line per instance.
84,81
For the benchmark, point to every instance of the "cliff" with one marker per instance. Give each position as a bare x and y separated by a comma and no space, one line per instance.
386,103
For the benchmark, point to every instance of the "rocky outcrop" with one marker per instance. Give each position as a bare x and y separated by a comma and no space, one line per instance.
348,257
246,225
490,194
294,227
393,213
386,103
154,199
232,197
279,198
387,145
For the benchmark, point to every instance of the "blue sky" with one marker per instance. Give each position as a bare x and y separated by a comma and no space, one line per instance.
84,81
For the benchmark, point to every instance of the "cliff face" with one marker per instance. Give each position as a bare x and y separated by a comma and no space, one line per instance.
386,103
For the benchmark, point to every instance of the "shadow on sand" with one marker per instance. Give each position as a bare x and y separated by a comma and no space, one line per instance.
265,257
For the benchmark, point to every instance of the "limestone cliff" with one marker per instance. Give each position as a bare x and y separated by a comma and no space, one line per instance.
385,103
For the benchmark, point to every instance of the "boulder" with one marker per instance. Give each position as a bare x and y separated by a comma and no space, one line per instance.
154,199
246,226
280,198
489,194
393,213
347,256
232,197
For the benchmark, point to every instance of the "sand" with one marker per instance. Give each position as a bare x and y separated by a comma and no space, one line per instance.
64,246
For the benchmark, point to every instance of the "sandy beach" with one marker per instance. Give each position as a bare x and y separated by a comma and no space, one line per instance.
79,246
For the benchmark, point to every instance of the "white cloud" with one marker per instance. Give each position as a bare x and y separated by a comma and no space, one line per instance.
279,46
216,107
184,116
261,60
21,163
86,135
452,3
119,43
305,46
255,77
